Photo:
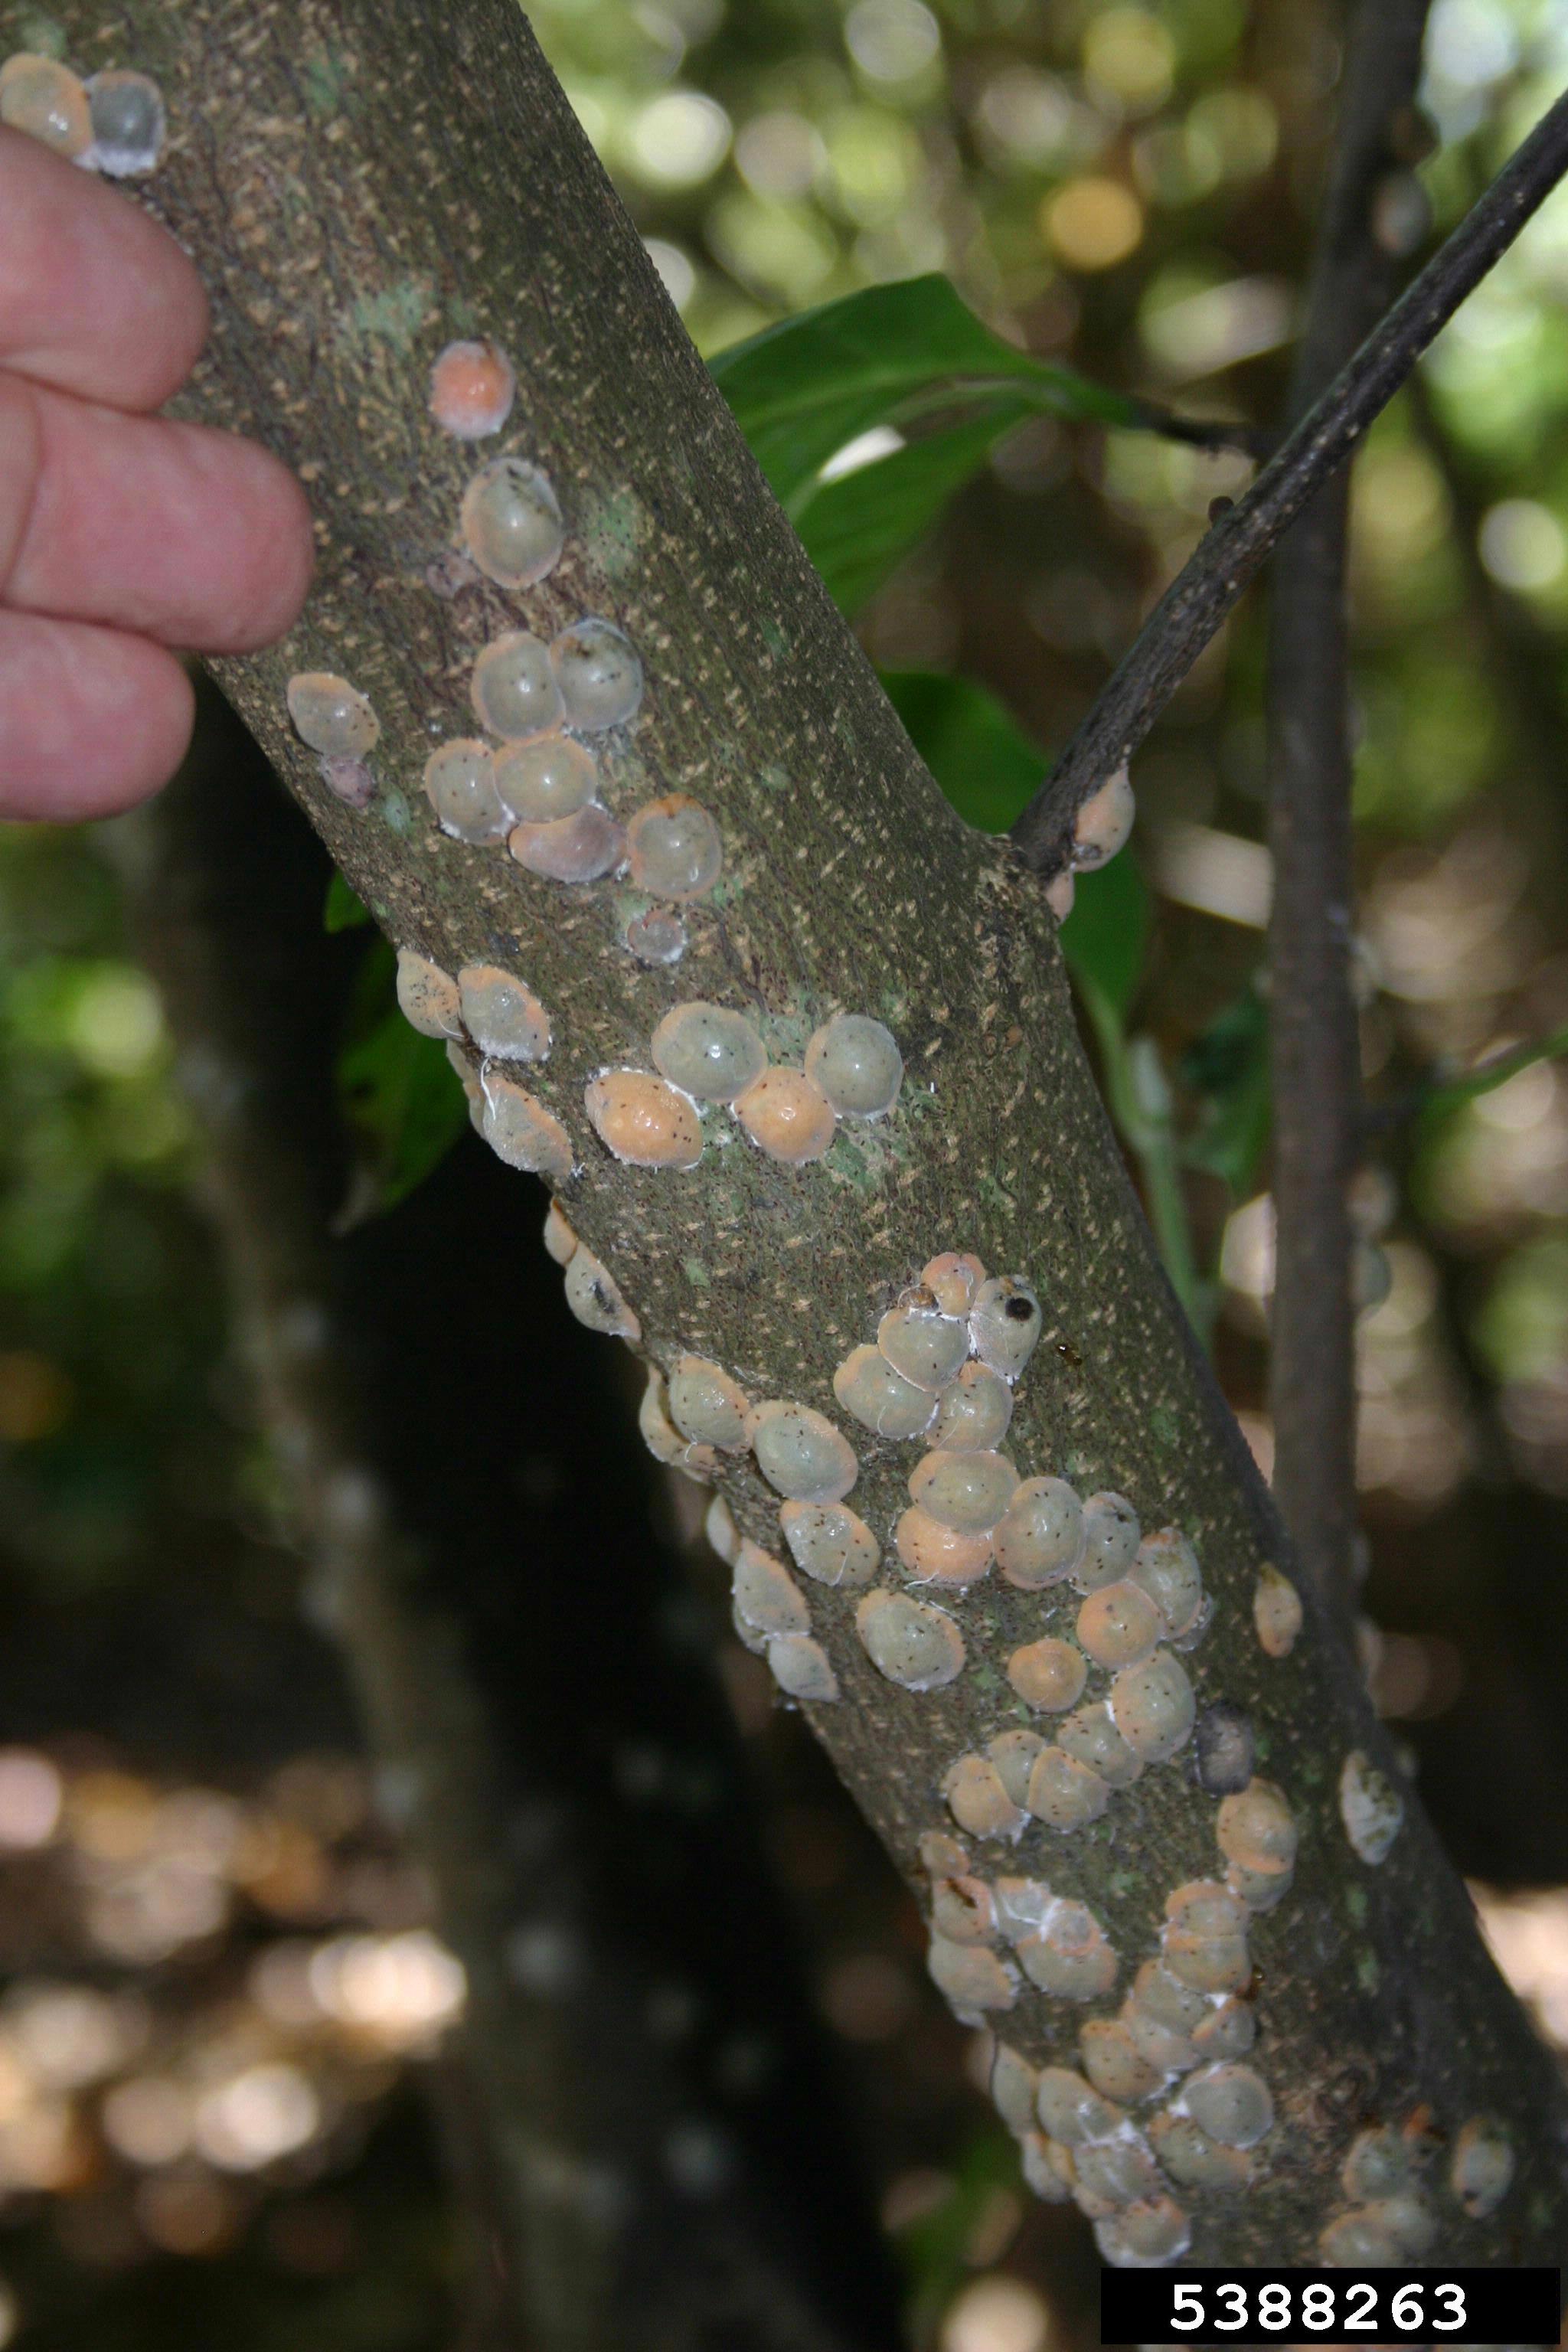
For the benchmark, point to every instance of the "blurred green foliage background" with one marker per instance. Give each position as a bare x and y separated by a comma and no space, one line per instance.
1127,192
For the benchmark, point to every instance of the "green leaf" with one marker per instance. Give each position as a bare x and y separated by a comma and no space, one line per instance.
801,390
1228,1069
344,911
988,768
985,764
859,527
1452,1092
399,1093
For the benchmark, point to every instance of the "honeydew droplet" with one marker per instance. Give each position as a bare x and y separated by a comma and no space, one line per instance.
331,716
599,675
800,1665
1005,1324
1040,1535
707,1405
934,1554
1104,824
925,1345
829,1543
674,848
472,387
786,1117
513,689
1048,1675
644,1120
910,1642
560,1240
580,848
594,1297
521,1132
974,1411
978,1799
539,783
129,124
880,1398
511,522
708,1051
968,1492
428,996
460,784
856,1063
800,1454
43,99
502,1014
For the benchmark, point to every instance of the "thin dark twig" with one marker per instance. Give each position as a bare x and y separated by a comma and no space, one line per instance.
1197,601
1204,432
1314,1035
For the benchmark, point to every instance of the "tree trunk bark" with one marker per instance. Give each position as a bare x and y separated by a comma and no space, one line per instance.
362,187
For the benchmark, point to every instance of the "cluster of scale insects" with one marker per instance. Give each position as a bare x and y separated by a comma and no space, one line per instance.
940,1371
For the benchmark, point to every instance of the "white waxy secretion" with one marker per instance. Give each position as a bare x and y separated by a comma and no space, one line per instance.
502,1014
708,1051
599,674
511,522
331,716
514,687
856,1063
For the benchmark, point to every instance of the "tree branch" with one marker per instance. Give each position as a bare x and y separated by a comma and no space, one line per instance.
435,183
1203,592
1314,1034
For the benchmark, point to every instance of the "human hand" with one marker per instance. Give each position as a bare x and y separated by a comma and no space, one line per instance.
121,533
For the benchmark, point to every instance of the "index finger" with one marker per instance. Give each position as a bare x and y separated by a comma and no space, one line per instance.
95,298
